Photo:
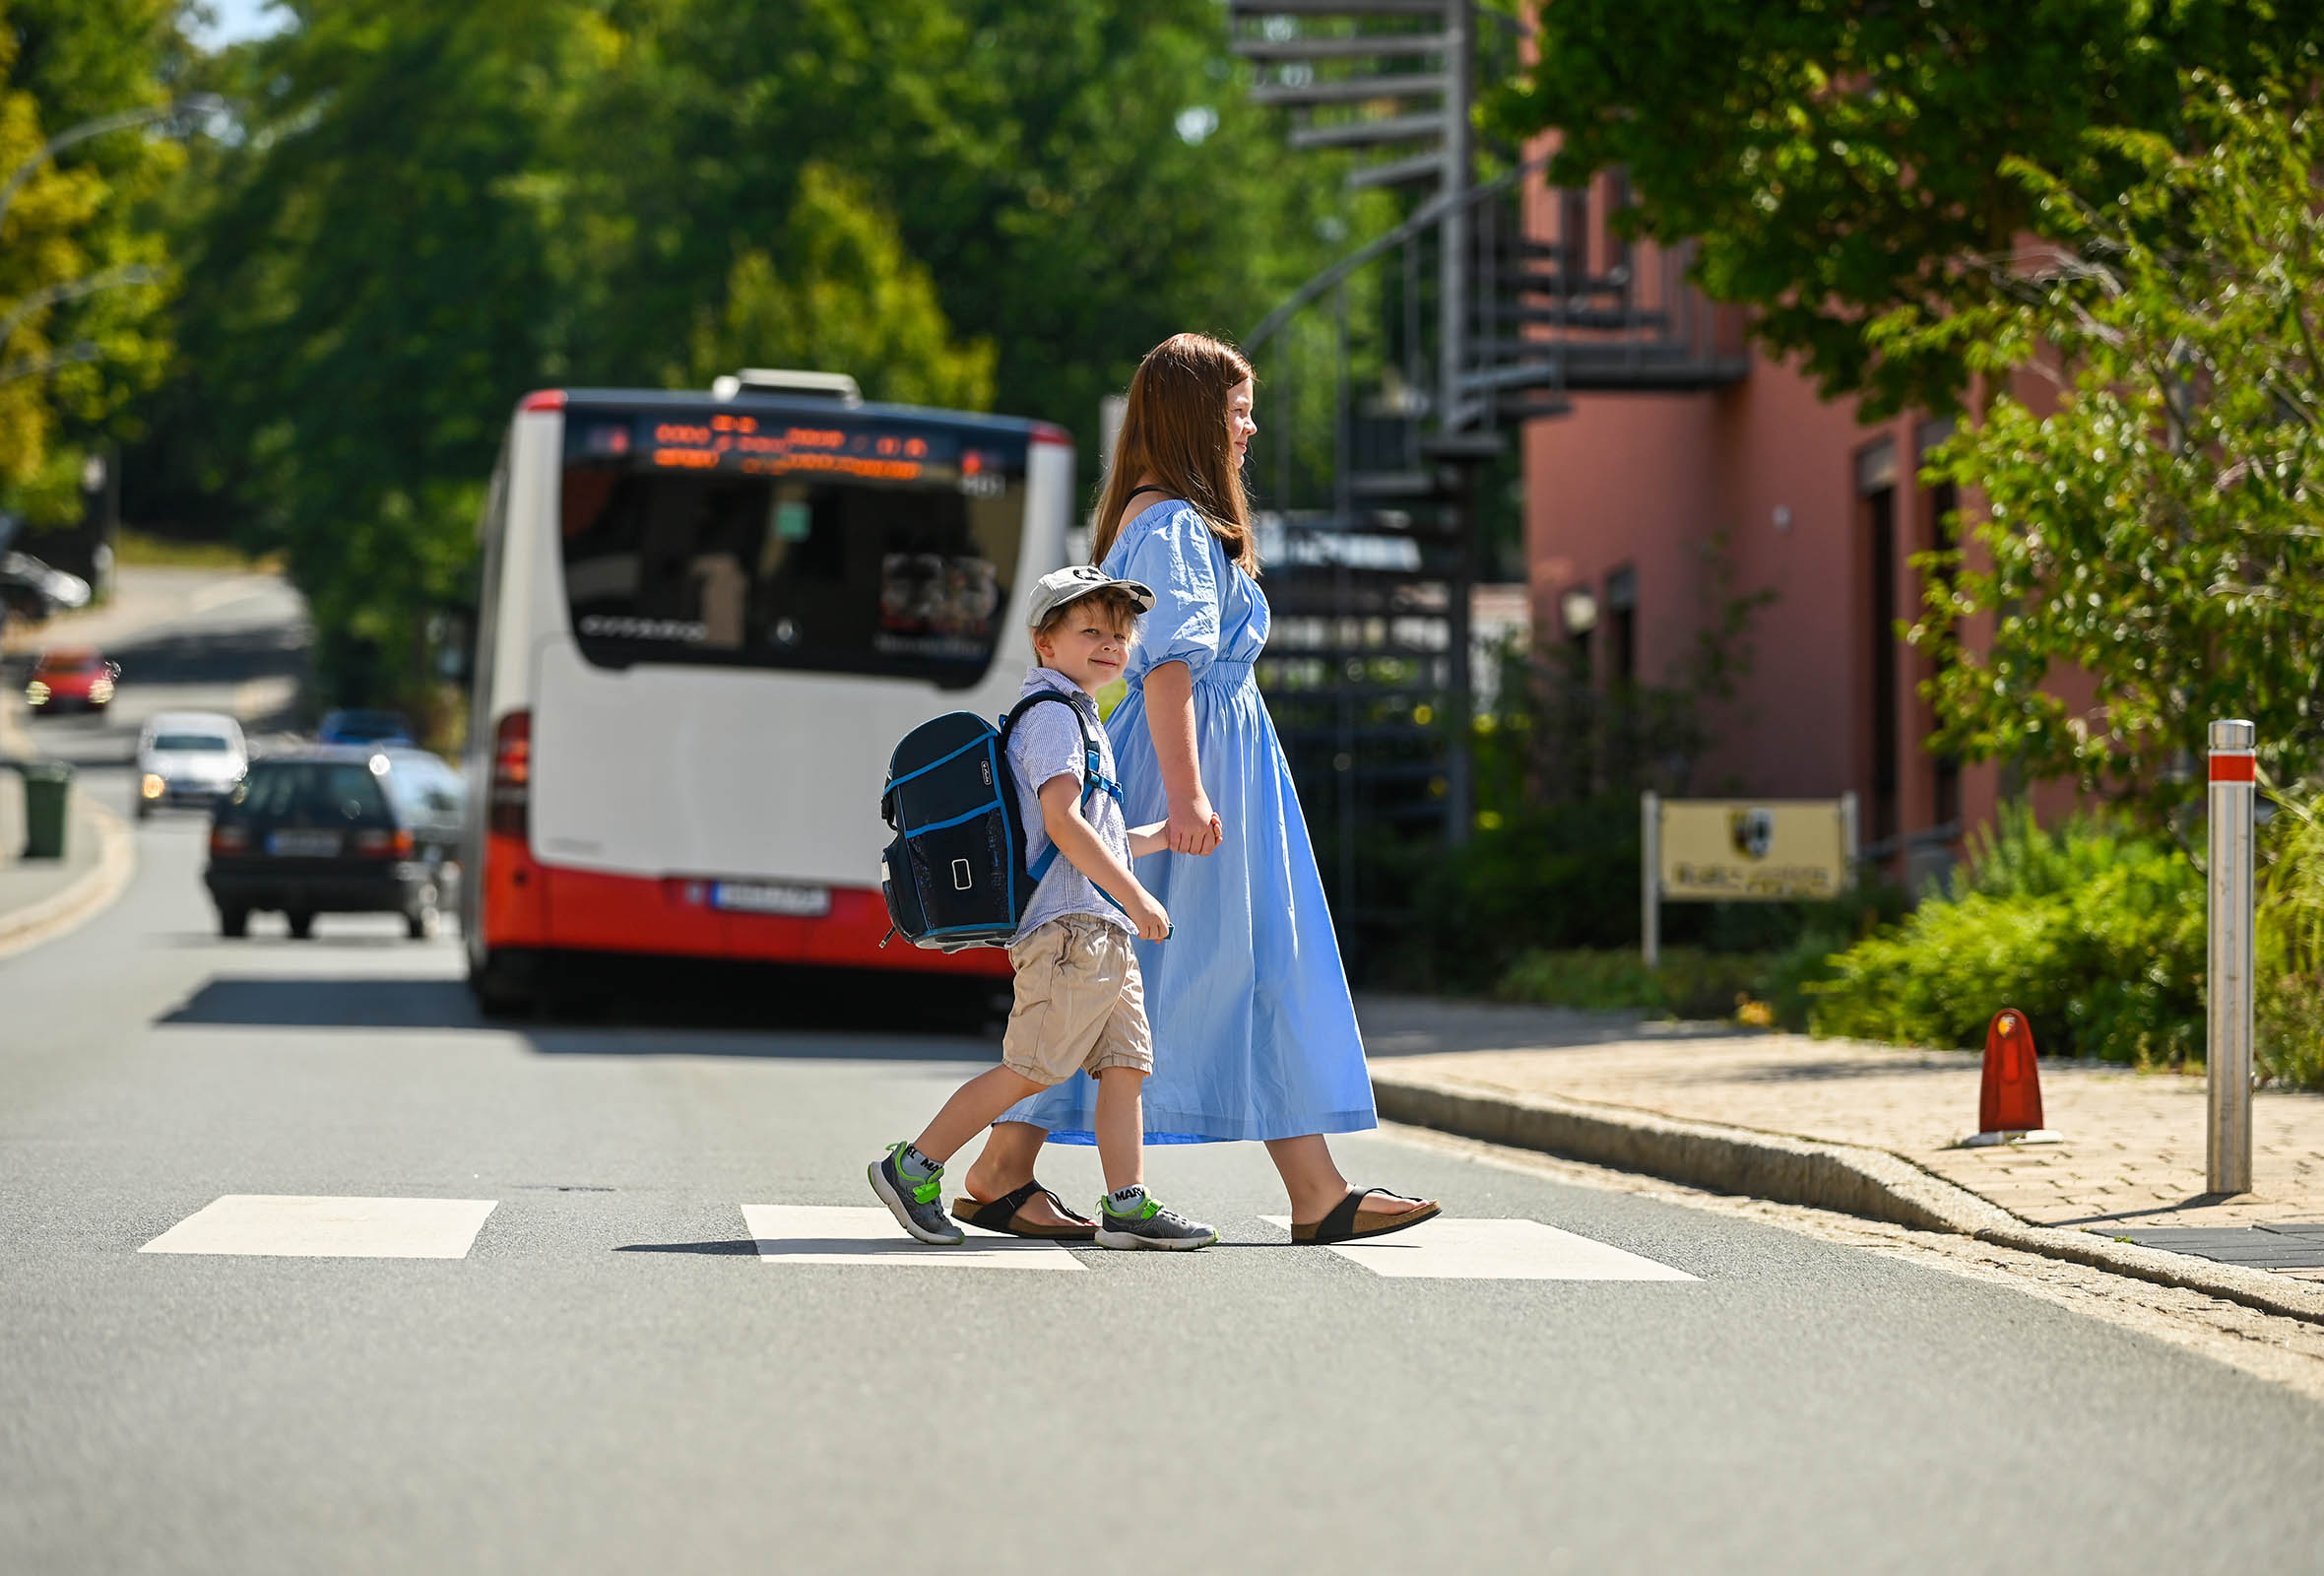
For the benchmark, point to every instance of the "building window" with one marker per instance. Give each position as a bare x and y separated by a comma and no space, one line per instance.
1621,622
1876,488
1617,247
1944,535
1573,238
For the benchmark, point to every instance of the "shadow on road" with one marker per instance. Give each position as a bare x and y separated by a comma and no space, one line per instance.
767,1012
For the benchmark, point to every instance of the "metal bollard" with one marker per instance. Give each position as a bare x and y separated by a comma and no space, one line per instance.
2233,775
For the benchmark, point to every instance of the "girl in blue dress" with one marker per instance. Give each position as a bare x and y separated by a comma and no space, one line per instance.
1254,1036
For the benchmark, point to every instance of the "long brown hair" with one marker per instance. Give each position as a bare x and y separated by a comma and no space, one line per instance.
1175,429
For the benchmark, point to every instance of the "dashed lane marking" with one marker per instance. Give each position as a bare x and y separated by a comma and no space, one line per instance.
302,1227
802,1233
1495,1250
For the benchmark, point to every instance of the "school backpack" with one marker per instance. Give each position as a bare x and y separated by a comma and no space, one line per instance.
955,874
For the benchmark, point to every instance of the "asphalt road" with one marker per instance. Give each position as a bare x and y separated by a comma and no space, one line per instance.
611,1378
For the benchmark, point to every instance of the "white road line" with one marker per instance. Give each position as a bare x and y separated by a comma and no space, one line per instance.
1495,1250
801,1233
291,1227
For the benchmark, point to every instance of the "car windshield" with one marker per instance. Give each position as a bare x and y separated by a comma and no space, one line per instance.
364,726
72,662
191,741
316,790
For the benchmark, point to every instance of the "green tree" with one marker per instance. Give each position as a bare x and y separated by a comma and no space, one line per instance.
851,300
434,206
1837,162
81,266
2162,530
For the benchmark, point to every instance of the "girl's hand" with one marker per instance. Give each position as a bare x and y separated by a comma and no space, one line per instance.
1193,828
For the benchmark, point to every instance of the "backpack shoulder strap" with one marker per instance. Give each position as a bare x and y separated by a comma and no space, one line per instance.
1093,777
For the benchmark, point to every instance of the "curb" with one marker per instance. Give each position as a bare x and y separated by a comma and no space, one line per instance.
1853,1179
87,897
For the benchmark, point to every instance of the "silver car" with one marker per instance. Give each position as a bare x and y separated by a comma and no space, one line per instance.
188,757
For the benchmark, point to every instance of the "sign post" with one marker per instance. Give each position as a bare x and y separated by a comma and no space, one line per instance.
1740,850
2233,777
1649,807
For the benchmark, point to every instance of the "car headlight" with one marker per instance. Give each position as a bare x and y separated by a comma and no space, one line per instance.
151,787
36,693
103,690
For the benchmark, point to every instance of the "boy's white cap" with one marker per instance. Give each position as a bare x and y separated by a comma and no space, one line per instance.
1061,586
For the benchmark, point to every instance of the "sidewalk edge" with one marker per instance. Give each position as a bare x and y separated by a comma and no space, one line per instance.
87,897
1853,1179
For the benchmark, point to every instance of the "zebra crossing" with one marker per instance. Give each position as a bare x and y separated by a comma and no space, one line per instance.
798,1235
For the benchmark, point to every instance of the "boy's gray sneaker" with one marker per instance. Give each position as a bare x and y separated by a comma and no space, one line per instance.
914,1203
1151,1226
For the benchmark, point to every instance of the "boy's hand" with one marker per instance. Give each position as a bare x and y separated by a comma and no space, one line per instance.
1152,923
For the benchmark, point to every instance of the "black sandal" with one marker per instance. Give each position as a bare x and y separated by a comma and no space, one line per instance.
1350,1222
1000,1215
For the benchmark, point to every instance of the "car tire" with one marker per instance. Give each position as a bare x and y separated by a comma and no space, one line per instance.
506,984
424,917
233,923
302,923
145,810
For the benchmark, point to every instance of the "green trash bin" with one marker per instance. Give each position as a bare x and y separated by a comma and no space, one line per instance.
49,784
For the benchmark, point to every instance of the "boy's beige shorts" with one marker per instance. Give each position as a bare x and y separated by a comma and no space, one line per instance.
1080,1002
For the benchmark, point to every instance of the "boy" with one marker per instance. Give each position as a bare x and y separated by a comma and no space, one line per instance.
1081,1005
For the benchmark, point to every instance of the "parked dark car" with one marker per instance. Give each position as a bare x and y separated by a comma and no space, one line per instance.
338,829
363,728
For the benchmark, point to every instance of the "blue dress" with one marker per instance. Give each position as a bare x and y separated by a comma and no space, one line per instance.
1254,1036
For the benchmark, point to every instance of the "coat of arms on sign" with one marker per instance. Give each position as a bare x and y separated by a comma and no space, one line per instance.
1753,831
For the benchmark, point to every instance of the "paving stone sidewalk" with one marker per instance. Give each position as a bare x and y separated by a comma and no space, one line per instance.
2132,1160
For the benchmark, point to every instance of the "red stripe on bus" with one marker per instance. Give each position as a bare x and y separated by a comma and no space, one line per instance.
2234,769
587,910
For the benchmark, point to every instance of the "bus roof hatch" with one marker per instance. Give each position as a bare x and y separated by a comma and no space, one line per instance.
777,380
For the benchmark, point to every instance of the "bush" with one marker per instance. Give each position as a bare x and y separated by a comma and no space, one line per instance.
1690,983
2096,933
2289,1034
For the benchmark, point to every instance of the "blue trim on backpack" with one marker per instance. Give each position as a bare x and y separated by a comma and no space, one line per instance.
985,809
896,782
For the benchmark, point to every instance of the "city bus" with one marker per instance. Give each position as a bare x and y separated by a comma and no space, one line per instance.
703,623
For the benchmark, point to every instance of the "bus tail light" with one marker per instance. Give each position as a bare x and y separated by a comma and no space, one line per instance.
228,840
378,842
512,776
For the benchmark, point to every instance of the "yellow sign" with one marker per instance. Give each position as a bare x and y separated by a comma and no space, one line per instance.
1752,849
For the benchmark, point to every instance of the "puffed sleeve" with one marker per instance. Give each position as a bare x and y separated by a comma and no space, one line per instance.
1174,556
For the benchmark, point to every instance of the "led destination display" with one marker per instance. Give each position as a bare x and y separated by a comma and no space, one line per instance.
751,447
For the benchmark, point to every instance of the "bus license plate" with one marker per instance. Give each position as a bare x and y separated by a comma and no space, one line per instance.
302,844
763,898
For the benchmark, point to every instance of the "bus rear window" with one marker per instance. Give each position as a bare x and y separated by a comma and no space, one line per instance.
852,545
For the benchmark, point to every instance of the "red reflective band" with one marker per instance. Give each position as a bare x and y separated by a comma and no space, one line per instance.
2234,769
1043,433
547,399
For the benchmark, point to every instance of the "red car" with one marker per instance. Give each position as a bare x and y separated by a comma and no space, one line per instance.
71,681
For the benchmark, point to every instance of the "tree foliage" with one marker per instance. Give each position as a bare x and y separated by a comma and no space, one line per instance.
437,204
2162,530
80,269
1836,161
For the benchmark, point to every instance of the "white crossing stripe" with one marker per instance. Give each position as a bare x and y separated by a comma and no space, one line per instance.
849,1233
293,1227
1495,1250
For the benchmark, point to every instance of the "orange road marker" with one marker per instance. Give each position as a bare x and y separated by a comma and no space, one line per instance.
2009,1102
